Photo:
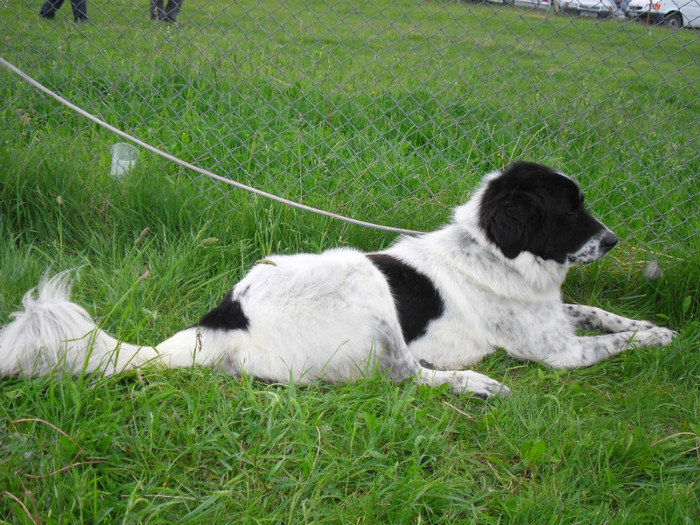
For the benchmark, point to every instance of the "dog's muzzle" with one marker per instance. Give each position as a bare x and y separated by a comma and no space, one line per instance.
595,248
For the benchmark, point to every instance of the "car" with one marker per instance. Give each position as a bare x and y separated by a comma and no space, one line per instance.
599,8
672,13
622,6
537,4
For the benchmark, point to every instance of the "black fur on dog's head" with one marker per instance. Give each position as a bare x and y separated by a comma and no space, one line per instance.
532,208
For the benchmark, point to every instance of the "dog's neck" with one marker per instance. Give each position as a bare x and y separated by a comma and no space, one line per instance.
542,275
461,253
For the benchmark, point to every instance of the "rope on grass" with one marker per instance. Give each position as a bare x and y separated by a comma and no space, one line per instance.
192,167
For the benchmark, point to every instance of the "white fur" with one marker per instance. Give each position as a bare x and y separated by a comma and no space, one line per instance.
332,316
53,334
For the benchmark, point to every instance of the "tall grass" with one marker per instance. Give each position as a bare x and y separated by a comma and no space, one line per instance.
613,443
400,106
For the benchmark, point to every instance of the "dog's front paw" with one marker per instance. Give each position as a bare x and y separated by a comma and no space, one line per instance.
656,336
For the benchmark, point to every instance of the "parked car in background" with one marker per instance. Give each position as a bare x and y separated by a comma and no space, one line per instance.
599,8
623,5
536,4
672,13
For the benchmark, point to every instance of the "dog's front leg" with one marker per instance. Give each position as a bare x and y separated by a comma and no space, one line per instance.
592,318
575,352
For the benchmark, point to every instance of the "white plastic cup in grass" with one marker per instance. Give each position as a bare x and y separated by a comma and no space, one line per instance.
123,159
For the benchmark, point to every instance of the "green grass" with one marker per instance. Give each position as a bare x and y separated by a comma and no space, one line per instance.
399,106
394,129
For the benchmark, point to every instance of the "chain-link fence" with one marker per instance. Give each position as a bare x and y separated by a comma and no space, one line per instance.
388,111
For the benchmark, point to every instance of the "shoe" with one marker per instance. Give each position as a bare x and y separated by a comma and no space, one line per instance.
48,16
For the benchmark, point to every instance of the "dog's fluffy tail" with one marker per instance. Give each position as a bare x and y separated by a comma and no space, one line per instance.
53,334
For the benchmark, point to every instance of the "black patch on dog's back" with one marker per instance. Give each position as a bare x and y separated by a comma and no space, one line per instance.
416,299
228,315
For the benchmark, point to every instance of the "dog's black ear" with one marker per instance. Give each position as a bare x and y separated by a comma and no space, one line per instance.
512,223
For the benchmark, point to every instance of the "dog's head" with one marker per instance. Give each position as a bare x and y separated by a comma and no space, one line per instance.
532,208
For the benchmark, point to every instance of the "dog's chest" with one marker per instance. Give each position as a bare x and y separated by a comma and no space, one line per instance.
477,324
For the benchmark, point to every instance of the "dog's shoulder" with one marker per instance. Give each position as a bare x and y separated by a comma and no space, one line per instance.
459,261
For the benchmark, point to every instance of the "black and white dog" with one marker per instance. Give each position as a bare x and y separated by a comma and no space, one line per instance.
426,308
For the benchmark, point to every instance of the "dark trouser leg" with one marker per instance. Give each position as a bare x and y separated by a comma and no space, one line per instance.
48,10
79,9
172,10
157,12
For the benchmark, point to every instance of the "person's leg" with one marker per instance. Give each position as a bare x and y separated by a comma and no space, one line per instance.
172,10
79,10
156,9
49,8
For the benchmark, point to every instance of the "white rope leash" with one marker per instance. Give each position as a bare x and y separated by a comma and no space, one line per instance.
202,171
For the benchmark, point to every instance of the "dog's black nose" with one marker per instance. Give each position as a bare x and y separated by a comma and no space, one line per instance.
608,241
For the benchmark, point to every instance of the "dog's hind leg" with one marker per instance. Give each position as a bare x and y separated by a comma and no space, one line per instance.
461,381
401,365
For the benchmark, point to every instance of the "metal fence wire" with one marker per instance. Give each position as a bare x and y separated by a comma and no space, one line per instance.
390,110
